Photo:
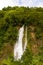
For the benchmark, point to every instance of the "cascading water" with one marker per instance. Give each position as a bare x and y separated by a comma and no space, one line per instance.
25,39
18,49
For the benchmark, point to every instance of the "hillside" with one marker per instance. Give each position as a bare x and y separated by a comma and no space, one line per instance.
11,19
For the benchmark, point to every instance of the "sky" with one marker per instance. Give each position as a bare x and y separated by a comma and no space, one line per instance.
30,3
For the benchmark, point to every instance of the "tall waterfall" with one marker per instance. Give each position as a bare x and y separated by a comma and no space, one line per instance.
18,48
25,39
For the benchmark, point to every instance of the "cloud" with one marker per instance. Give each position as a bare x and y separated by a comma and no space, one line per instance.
26,2
30,3
5,3
40,5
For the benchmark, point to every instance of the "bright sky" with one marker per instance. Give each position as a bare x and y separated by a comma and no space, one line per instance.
30,3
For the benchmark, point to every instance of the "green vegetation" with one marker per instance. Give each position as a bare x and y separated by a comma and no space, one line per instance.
11,19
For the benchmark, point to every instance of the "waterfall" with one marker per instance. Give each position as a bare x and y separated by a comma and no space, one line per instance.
25,39
18,49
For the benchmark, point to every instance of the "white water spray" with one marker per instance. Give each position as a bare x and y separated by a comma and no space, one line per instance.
18,49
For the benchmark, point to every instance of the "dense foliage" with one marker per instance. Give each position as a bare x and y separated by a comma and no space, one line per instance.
11,19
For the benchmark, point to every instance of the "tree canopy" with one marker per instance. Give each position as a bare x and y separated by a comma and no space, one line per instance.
11,19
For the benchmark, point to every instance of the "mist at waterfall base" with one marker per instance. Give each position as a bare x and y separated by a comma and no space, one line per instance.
18,48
